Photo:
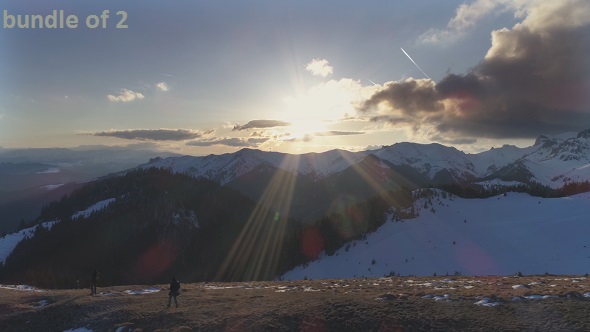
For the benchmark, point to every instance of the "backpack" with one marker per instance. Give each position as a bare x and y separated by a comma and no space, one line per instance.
174,291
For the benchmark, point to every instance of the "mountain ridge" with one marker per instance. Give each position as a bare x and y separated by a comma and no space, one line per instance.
550,161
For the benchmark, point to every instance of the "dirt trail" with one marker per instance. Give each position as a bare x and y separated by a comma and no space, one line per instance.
532,303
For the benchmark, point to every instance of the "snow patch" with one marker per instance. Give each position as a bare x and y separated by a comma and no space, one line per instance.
143,291
487,302
41,304
93,208
490,184
51,170
10,241
21,288
52,186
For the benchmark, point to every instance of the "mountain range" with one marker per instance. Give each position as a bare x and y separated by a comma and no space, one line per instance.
553,160
254,215
314,181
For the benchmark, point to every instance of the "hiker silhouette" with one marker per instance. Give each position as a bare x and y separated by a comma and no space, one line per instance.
174,288
94,282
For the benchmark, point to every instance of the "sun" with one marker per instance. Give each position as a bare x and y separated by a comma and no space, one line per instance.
321,106
304,116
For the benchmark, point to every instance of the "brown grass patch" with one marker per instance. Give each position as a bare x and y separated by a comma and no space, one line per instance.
381,304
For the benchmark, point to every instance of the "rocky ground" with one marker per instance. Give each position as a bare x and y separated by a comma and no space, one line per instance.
531,303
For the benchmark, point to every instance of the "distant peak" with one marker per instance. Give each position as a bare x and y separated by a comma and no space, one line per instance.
584,134
542,139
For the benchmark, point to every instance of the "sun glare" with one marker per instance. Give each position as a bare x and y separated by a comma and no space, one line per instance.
321,106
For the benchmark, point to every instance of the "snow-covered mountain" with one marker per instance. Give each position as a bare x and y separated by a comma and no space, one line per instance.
227,167
499,235
552,161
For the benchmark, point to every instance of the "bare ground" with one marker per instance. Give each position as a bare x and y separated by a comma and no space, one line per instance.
383,304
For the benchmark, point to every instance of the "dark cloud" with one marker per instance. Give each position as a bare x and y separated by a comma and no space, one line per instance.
258,124
229,141
153,134
457,141
534,79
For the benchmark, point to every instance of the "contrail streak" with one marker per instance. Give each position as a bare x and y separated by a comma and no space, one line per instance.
414,62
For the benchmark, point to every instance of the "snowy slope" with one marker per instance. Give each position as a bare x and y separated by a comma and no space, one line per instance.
9,242
561,159
496,236
488,161
429,159
94,207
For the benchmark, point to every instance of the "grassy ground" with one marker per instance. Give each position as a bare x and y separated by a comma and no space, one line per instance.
385,304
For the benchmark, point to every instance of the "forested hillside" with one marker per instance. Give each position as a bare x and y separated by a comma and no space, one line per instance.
158,224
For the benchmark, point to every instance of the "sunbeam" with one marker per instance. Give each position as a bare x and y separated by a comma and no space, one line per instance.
256,251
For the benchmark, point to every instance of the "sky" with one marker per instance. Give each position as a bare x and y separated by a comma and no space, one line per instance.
202,77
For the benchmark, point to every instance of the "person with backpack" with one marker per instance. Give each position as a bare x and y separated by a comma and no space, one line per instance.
174,288
94,282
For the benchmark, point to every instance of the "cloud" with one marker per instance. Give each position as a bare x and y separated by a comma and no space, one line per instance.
125,96
339,133
162,86
305,138
319,67
466,17
140,146
453,141
437,36
229,141
257,141
153,134
258,124
534,79
373,147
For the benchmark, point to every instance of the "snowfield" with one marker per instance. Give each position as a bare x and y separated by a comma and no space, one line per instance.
499,235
